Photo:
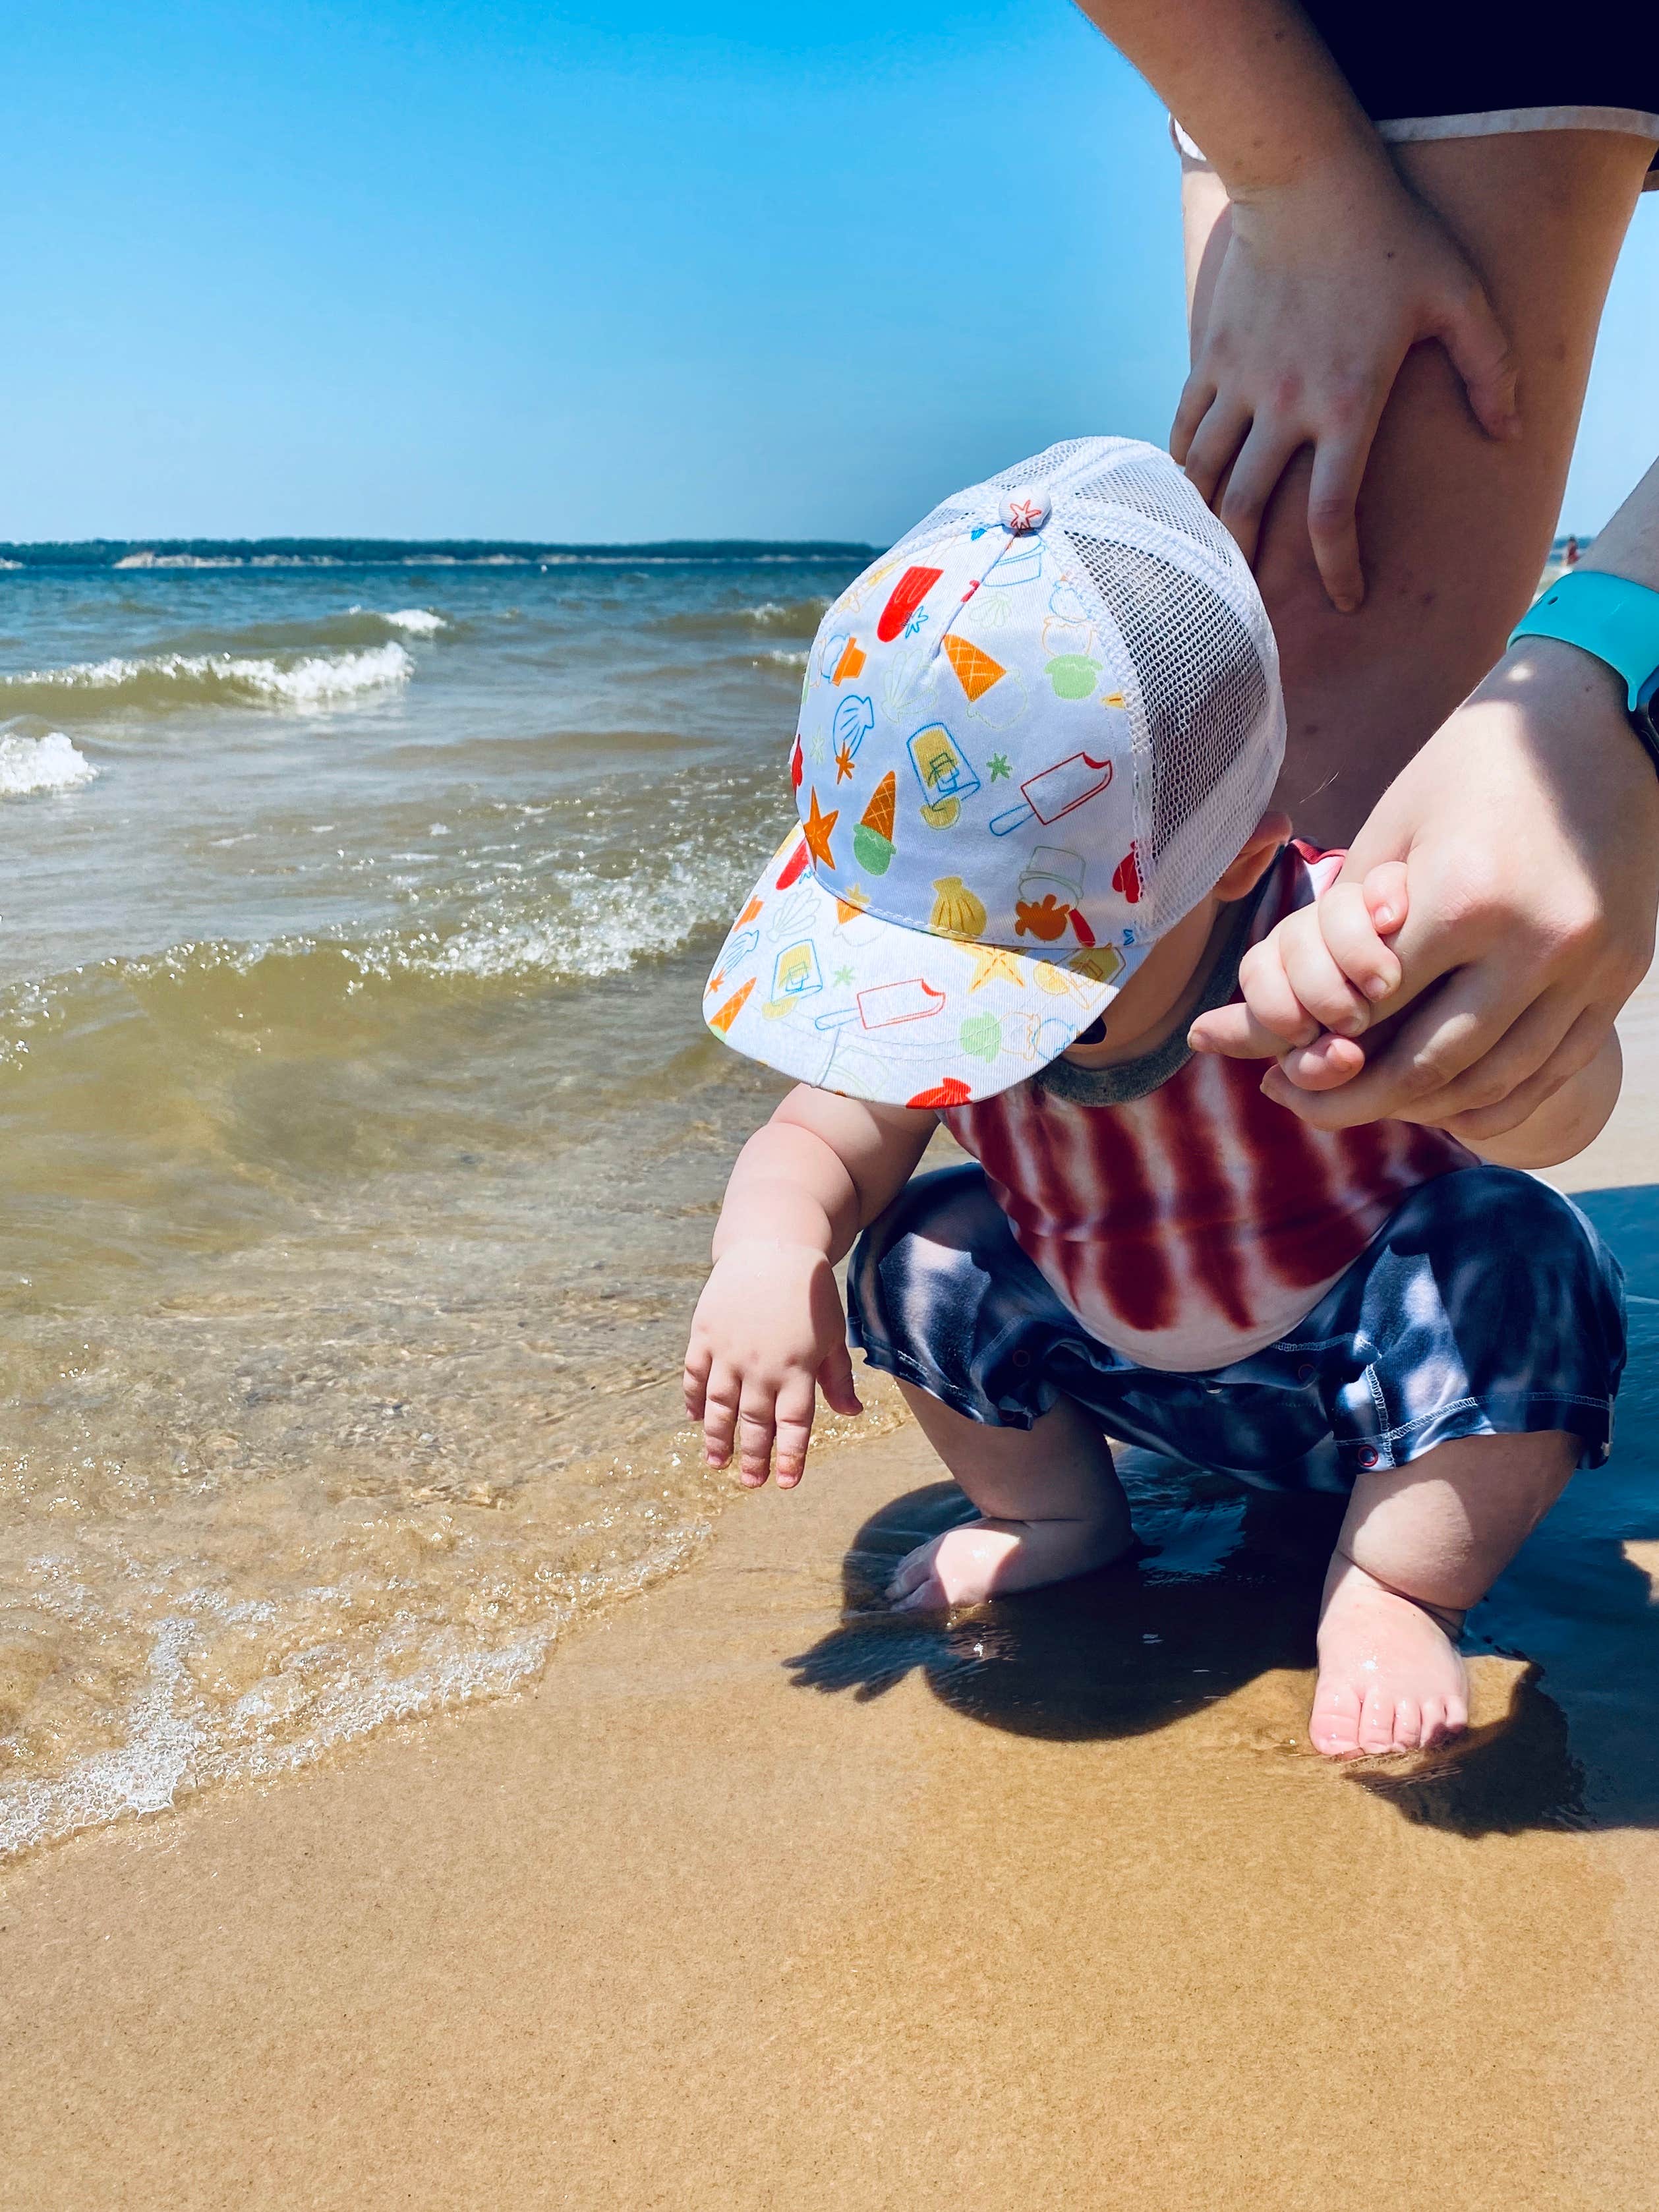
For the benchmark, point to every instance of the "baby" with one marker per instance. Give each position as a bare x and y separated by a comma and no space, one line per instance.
1037,746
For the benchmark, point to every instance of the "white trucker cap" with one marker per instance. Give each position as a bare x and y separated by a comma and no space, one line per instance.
1032,737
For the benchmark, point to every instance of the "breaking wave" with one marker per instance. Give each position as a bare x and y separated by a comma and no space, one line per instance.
168,679
34,764
413,621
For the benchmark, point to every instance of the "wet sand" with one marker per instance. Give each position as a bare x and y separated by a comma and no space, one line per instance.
763,1897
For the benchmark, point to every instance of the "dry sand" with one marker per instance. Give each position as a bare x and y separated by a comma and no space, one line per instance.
1050,1908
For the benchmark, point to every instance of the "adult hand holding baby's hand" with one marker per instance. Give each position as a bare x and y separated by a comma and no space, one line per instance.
1313,984
768,1335
1527,826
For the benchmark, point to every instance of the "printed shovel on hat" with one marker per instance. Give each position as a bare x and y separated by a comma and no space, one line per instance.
993,828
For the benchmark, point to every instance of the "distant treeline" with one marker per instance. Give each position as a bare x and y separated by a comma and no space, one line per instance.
373,552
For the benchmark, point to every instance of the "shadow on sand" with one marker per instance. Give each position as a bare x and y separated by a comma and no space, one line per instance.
1223,1588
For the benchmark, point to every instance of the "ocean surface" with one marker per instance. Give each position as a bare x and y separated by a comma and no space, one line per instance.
362,1136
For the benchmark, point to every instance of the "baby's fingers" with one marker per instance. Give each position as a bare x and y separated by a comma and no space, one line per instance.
1270,993
797,1403
1386,896
756,1429
695,1380
1351,938
1319,985
1325,1064
1234,1033
835,1381
719,1415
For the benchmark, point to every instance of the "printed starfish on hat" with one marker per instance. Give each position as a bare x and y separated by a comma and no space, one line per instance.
1025,513
993,963
816,830
843,764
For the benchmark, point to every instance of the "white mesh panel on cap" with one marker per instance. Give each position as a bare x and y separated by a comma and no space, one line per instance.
1205,675
944,522
1151,488
1043,466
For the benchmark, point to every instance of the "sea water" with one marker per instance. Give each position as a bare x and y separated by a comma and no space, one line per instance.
362,1136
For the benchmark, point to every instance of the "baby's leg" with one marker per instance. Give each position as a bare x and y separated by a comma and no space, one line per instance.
1050,1506
1420,1545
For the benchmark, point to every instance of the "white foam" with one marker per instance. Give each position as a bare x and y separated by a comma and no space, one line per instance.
48,763
143,1775
416,621
172,1748
610,923
317,679
149,560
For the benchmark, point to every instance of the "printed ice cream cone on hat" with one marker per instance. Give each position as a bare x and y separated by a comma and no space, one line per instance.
872,840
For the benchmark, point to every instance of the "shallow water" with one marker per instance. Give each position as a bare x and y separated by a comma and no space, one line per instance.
363,1144
363,1139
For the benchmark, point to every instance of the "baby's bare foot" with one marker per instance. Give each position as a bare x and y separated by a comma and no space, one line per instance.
989,1558
1390,1676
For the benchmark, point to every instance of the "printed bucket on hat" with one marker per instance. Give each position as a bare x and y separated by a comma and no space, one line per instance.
1031,738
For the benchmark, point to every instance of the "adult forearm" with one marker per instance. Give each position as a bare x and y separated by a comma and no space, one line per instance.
1573,699
1629,546
1251,80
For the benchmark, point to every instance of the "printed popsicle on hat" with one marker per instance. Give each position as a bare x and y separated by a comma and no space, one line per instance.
925,938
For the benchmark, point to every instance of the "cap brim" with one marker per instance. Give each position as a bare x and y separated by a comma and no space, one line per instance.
837,997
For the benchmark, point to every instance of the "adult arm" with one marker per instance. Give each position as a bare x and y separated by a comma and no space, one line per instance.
1528,826
1331,270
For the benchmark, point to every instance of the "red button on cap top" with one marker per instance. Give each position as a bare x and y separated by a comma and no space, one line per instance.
1021,511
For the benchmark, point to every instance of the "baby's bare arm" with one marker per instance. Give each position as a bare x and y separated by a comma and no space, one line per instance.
770,1331
820,1169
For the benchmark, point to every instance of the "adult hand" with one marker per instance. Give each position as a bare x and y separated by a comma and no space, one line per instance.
1528,826
1325,285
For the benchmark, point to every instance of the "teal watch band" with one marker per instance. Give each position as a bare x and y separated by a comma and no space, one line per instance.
1616,620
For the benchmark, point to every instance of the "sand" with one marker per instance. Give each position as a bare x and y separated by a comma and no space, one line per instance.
763,1899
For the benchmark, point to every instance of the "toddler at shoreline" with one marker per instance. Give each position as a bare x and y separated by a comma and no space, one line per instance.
1037,750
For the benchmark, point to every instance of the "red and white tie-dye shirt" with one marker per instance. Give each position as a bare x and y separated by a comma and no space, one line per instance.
1193,1225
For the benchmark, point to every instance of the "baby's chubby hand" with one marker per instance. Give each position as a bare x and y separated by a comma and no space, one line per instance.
1314,984
768,1333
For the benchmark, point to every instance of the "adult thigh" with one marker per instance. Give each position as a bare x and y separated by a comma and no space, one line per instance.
1454,526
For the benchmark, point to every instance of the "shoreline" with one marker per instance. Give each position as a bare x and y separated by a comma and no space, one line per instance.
688,1925
761,1897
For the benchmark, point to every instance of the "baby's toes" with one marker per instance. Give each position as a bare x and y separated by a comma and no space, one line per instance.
1376,1720
913,1569
1443,1718
1334,1726
1407,1724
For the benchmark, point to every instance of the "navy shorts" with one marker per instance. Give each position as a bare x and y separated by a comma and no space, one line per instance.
1486,1305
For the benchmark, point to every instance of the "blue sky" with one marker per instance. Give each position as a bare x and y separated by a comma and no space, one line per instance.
423,268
